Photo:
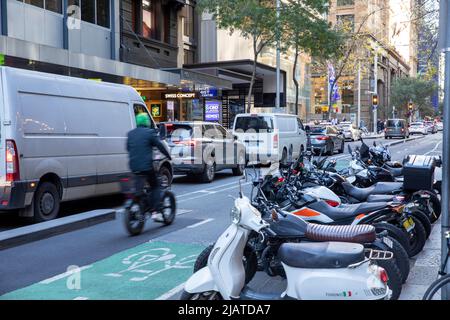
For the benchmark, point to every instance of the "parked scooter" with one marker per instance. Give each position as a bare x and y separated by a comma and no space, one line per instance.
319,271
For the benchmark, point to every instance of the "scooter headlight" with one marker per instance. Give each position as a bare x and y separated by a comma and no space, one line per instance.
235,215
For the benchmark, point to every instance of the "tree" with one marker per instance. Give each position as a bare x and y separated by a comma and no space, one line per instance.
356,47
417,90
254,19
305,30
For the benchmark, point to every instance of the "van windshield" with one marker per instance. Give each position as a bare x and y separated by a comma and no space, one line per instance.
255,123
395,123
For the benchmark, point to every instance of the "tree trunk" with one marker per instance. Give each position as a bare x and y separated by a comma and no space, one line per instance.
252,82
295,80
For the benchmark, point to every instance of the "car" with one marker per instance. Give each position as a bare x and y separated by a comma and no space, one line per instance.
64,139
440,126
270,137
326,140
350,131
200,149
432,128
396,128
418,128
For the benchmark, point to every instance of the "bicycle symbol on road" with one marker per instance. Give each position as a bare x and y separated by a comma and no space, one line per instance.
148,263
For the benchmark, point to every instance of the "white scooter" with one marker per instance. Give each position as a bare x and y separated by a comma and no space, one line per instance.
314,271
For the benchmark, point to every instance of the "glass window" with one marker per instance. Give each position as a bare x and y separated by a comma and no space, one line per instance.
176,132
222,131
188,57
189,21
139,108
37,3
53,5
300,124
257,124
341,3
148,19
103,13
346,21
88,11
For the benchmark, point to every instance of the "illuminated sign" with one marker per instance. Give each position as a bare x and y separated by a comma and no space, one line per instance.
212,110
156,110
209,92
180,95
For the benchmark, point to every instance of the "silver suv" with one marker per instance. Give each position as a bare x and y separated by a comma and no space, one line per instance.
201,149
396,128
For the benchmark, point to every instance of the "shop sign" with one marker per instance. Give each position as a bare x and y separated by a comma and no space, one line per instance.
156,110
325,108
212,110
209,92
180,95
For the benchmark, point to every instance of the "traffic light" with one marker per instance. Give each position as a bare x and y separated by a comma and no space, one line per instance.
375,100
410,106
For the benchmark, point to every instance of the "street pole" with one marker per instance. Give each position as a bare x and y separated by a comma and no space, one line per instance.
444,30
359,94
277,103
375,90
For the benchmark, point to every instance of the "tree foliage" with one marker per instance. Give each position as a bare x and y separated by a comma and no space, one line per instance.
417,90
253,19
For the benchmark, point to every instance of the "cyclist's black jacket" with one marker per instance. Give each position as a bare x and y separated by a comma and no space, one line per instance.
140,145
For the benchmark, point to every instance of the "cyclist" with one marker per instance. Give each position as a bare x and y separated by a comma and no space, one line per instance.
140,144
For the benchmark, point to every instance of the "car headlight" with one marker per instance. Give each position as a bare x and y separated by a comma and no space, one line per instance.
235,215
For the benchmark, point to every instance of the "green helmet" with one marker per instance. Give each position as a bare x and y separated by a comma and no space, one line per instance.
143,120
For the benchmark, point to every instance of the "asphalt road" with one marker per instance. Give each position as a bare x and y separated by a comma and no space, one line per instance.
150,266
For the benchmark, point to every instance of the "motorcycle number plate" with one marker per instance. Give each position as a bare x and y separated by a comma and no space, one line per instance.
388,242
409,224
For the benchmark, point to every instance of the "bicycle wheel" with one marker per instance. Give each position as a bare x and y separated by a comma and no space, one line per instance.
436,286
168,207
134,219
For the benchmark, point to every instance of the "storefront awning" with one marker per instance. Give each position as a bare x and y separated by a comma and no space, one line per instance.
199,79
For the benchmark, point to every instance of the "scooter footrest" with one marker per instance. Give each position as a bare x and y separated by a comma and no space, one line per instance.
354,234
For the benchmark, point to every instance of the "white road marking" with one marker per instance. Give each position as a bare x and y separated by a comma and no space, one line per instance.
204,195
64,275
205,190
200,223
435,148
183,211
172,292
81,298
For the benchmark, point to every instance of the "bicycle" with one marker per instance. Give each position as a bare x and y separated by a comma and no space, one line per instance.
137,207
441,282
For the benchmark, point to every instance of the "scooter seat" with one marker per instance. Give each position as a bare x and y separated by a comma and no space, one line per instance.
346,211
396,172
380,198
362,194
321,255
355,234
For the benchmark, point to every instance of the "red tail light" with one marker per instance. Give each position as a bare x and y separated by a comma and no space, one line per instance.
189,143
332,203
280,179
322,138
275,141
384,276
12,161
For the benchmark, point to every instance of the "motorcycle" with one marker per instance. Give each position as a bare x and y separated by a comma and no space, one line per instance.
137,206
318,271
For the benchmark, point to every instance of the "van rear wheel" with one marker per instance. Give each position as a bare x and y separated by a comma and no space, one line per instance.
46,202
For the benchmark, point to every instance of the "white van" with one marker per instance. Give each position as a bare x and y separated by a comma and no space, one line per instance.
62,138
270,137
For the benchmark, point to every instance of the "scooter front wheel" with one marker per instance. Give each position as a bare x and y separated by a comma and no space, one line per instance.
210,295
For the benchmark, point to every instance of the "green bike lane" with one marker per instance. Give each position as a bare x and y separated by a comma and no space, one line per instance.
144,272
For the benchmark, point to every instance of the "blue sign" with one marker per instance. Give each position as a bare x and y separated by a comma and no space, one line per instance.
212,110
209,92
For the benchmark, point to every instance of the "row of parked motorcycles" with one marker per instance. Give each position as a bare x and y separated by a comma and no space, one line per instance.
332,234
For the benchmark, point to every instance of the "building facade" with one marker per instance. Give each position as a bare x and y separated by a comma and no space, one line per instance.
141,43
386,33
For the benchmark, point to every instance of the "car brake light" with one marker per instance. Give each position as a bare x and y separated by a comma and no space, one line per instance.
323,138
332,203
275,141
12,162
189,143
